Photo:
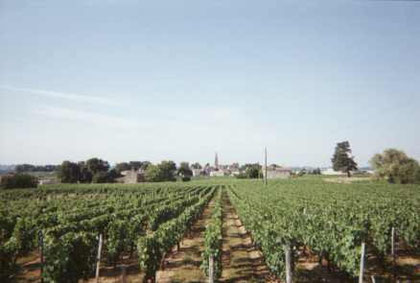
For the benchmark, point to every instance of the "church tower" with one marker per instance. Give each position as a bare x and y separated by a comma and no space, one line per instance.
216,161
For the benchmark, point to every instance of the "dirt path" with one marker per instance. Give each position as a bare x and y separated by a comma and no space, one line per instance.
184,265
242,262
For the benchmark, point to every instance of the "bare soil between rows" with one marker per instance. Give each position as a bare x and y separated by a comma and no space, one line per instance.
241,261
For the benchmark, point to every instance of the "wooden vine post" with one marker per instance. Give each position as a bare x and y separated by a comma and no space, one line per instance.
41,248
362,263
123,273
265,167
98,258
393,243
211,269
288,255
393,252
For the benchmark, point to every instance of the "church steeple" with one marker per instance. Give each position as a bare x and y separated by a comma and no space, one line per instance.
216,161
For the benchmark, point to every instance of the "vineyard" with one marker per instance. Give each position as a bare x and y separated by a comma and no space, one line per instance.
76,231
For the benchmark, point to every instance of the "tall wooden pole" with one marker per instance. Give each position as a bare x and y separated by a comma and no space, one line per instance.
288,255
265,167
362,263
211,269
41,246
98,258
392,242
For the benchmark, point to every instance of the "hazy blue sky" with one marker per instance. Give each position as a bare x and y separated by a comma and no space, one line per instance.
136,80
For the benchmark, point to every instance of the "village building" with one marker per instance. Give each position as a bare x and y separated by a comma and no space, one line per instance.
277,172
331,172
131,177
217,173
48,181
197,172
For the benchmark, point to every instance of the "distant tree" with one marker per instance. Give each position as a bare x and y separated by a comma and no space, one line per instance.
153,173
196,165
35,168
123,166
96,165
184,171
112,175
105,177
24,168
145,164
316,171
234,166
100,177
396,167
85,176
302,172
250,171
69,172
342,159
18,180
168,170
135,165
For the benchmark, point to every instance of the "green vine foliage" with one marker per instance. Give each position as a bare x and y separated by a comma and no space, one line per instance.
152,248
213,240
332,220
149,256
69,216
8,255
70,258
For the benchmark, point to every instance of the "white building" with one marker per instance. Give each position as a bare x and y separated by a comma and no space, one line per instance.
277,172
331,172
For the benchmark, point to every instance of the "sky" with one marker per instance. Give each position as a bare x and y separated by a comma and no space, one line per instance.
180,80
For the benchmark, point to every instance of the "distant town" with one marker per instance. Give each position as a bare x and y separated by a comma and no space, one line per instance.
136,171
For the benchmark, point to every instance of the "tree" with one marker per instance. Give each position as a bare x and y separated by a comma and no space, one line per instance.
135,165
153,173
24,168
396,167
251,171
18,181
316,171
196,165
69,172
123,166
35,168
105,177
145,164
96,165
85,176
168,169
342,159
165,171
184,171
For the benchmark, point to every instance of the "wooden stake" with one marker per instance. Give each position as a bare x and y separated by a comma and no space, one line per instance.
211,269
41,246
393,252
362,263
373,279
393,242
98,258
287,252
123,273
265,164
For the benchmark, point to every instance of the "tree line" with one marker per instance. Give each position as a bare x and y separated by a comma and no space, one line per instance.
393,165
35,168
96,170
